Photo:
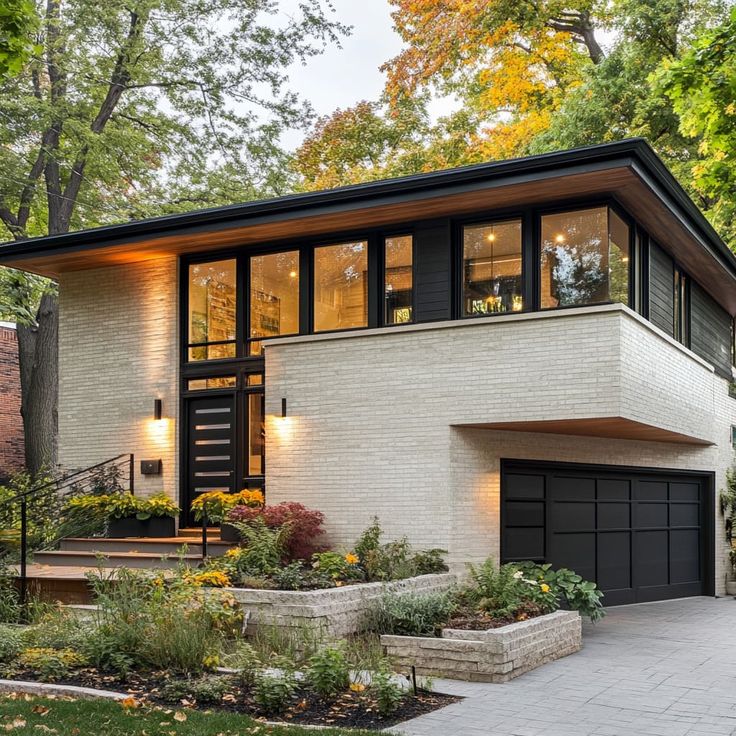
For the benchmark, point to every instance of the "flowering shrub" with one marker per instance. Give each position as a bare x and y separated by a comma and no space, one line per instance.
305,526
121,506
218,503
341,568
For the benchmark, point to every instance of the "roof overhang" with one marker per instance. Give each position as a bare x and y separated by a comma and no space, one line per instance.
619,428
629,171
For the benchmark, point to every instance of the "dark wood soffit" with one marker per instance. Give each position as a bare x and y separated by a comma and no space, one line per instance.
608,427
622,182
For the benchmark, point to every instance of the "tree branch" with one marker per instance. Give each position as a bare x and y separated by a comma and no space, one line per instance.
580,27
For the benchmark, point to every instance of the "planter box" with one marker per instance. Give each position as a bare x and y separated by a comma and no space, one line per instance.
157,526
228,533
494,655
328,614
731,587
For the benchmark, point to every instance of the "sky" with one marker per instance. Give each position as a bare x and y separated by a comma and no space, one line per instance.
343,76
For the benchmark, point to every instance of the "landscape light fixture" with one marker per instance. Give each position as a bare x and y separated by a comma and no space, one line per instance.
283,408
158,409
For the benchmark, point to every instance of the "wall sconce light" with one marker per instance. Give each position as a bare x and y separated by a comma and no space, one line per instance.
283,408
158,409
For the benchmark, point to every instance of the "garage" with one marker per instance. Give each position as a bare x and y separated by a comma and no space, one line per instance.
641,534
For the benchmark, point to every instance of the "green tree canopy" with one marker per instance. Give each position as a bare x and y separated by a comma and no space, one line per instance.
18,21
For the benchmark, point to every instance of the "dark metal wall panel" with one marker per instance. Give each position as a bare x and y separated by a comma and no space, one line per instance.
710,330
661,289
433,271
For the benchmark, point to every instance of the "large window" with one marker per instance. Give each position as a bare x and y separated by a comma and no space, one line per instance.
212,299
398,282
585,258
340,286
274,297
492,268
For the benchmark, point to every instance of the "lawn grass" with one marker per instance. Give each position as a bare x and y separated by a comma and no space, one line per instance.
24,716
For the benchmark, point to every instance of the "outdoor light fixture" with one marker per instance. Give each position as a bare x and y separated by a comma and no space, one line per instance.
158,409
283,408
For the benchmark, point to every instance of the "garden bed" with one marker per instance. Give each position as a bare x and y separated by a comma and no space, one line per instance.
330,613
494,655
350,709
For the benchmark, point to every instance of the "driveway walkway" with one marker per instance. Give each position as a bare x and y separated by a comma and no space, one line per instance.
664,668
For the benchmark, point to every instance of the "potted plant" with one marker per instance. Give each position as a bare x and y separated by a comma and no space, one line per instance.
126,515
217,504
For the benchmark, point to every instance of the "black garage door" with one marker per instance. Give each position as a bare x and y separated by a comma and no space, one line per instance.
641,535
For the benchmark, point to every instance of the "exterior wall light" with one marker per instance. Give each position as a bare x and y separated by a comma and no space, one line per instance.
283,408
158,409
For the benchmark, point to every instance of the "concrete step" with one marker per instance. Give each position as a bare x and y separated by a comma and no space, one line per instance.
91,560
145,545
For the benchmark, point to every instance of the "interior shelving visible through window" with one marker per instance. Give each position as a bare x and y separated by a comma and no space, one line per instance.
398,280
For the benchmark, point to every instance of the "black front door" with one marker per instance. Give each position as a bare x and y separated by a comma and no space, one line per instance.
211,439
641,535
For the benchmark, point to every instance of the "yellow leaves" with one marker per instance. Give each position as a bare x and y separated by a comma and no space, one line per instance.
357,687
180,716
130,703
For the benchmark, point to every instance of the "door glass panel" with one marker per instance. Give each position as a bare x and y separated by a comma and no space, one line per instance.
256,434
492,268
274,297
398,285
205,384
211,316
340,286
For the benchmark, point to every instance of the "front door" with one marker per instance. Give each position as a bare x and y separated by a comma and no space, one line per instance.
211,447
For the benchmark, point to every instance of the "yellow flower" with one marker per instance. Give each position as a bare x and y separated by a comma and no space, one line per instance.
357,687
351,559
545,588
233,552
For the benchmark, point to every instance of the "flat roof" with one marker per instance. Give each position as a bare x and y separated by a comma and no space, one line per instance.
629,170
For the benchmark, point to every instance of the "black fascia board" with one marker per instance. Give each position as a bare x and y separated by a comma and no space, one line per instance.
588,158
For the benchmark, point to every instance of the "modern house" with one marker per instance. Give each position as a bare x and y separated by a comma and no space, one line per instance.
529,359
12,451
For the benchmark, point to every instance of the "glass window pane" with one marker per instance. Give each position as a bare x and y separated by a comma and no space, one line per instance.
399,280
256,434
204,384
585,258
274,296
212,310
340,286
492,268
255,379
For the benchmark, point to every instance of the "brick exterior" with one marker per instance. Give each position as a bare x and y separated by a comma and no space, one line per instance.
118,351
12,453
373,417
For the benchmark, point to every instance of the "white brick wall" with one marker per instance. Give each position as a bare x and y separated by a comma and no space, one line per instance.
118,352
371,414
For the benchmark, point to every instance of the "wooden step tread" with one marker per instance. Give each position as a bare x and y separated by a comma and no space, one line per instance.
125,555
180,541
36,571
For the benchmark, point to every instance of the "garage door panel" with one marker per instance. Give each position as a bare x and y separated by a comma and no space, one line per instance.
647,515
614,515
570,488
573,517
576,551
524,544
637,533
685,562
684,514
614,560
651,552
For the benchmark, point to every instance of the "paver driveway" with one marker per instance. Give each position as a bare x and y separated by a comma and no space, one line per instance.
664,668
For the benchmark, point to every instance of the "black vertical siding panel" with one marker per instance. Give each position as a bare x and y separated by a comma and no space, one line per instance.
710,329
661,289
433,271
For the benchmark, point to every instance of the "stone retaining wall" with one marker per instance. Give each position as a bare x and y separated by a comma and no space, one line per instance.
495,655
330,613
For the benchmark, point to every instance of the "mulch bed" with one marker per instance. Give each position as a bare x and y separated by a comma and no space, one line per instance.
470,619
349,710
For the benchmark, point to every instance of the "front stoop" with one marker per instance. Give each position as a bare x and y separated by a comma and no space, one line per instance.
62,575
494,655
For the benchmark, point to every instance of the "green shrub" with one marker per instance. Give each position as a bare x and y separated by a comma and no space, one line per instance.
103,652
290,577
580,595
206,690
50,665
328,672
272,691
412,614
11,643
429,562
264,547
245,661
389,693
57,629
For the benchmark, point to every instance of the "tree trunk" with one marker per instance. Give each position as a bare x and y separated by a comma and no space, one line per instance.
38,356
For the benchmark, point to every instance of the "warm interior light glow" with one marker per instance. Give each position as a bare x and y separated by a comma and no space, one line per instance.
625,259
492,237
559,238
292,274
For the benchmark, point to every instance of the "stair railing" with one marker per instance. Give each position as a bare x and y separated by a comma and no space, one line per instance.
66,486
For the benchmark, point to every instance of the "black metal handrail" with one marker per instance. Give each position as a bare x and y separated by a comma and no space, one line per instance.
66,485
